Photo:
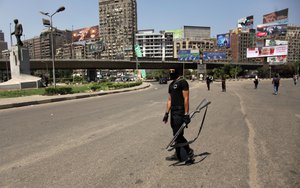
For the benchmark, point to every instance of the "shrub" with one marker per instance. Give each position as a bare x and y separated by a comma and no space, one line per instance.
58,90
110,85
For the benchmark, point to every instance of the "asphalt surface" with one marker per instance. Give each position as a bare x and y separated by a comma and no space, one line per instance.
250,139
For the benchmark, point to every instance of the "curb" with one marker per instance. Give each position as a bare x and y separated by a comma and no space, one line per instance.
72,97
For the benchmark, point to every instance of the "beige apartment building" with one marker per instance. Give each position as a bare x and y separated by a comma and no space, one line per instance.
293,38
198,44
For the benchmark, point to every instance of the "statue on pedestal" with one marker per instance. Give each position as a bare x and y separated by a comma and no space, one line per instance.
18,32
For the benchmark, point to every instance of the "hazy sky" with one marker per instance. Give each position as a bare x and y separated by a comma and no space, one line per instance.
220,15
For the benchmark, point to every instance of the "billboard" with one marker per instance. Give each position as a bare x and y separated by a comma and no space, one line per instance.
85,34
276,42
276,17
177,33
188,55
269,30
95,46
214,56
276,60
246,23
268,51
223,40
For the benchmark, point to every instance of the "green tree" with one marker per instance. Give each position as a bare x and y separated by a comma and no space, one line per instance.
156,74
263,72
235,71
218,72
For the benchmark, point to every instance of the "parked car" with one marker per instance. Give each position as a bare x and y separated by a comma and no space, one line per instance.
128,78
163,80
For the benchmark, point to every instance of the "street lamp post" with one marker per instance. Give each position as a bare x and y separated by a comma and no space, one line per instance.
60,9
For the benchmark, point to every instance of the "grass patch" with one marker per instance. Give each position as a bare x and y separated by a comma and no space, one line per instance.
21,93
68,89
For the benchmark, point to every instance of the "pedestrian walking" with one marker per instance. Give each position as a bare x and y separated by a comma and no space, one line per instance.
295,78
276,82
178,104
256,82
223,84
208,81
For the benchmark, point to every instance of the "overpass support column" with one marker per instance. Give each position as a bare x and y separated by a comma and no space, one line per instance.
91,75
201,69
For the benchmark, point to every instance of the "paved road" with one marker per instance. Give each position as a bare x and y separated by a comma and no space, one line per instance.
250,139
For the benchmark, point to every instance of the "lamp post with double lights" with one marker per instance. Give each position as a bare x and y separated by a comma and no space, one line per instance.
46,22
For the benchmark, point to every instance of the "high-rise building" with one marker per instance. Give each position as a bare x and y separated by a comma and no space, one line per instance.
155,45
239,42
3,44
60,37
1,36
34,47
118,25
196,32
293,38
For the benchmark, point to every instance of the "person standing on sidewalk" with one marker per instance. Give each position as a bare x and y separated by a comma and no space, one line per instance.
255,82
295,78
208,81
178,104
276,82
223,83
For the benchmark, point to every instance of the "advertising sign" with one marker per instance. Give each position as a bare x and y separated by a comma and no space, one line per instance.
85,34
277,60
214,56
276,42
268,30
274,17
246,23
267,51
188,55
95,46
223,40
177,33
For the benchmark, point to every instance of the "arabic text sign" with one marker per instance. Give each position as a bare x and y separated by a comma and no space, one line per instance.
267,51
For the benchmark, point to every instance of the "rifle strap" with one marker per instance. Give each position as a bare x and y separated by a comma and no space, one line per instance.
191,141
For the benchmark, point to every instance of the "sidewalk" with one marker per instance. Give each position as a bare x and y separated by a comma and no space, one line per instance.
6,103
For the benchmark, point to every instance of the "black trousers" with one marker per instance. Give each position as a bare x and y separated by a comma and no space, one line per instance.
176,122
208,85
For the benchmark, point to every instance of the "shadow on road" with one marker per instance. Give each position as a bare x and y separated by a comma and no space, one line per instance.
201,155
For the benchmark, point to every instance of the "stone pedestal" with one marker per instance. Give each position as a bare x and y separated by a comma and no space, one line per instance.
19,61
20,70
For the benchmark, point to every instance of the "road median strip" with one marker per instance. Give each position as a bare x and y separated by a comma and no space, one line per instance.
70,97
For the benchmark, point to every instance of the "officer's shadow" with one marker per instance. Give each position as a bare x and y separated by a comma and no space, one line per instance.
197,159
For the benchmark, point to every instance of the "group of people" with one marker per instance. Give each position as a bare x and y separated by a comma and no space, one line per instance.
178,107
275,82
209,80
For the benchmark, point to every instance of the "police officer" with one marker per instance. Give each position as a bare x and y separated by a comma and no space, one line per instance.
178,104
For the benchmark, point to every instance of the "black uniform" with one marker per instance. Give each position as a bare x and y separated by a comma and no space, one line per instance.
177,109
